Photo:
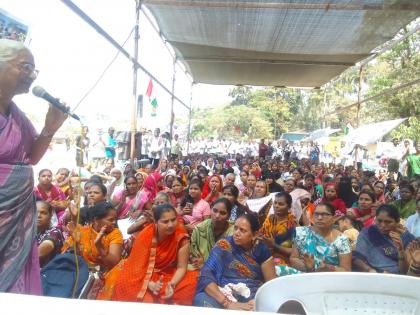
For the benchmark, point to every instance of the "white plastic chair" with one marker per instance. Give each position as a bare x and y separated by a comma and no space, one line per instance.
342,293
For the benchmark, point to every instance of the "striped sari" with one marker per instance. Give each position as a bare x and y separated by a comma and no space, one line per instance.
19,265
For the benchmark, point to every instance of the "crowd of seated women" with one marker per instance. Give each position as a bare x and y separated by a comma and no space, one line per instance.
175,235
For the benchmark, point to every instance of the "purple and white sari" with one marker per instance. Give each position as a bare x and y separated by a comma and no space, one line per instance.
19,263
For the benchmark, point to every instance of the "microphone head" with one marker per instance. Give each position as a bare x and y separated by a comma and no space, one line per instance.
38,91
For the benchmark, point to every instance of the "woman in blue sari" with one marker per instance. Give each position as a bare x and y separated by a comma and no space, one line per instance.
381,246
237,259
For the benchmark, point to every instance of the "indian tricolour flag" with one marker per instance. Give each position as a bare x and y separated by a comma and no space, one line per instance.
348,128
152,98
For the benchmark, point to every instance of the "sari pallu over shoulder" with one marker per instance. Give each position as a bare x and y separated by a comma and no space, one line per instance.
378,250
230,263
147,258
17,221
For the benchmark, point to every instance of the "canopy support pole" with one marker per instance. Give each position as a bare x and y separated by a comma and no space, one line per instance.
171,131
384,92
135,69
189,119
359,96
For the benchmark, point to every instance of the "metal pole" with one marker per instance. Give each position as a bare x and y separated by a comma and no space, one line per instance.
359,96
172,101
135,68
325,107
384,92
189,120
284,5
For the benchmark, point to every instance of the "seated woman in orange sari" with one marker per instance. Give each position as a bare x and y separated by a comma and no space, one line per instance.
99,243
278,232
156,270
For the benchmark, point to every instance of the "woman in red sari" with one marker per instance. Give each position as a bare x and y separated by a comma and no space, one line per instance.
212,189
156,270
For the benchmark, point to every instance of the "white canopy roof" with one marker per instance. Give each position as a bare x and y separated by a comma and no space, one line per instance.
300,43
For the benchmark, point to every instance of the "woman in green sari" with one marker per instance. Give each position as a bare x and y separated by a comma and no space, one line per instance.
208,232
406,206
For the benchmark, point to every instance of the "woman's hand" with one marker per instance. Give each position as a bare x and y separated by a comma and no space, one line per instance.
309,262
134,215
155,287
73,210
269,241
247,192
54,119
241,306
101,234
197,262
396,239
148,214
169,291
70,228
413,252
189,228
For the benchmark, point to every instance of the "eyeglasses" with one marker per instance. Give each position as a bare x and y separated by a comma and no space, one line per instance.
322,214
28,68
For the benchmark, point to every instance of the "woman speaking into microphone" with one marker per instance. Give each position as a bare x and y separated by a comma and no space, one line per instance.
20,147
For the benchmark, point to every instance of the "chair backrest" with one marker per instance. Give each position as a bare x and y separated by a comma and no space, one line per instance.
342,293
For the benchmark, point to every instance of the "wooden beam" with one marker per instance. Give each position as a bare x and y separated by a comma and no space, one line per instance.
285,5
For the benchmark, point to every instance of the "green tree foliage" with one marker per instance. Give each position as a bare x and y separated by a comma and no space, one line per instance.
231,122
274,108
408,131
240,95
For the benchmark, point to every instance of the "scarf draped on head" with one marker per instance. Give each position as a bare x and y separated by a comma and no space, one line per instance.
206,188
151,185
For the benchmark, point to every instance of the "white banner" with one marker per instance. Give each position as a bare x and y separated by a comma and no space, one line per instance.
370,134
256,204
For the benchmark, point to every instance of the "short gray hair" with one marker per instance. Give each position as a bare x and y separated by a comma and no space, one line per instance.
9,50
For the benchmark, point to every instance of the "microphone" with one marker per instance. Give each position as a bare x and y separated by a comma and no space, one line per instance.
40,92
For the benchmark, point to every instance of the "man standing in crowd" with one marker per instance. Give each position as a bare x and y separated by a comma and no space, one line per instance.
98,149
413,162
82,147
111,144
262,149
156,146
394,156
175,148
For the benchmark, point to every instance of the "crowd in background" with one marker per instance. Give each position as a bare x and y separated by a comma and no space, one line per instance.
208,230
